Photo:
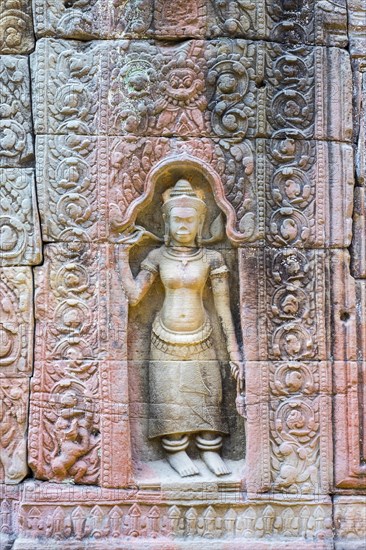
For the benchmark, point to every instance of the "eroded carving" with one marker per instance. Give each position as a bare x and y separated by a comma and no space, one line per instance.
16,29
229,88
15,124
20,238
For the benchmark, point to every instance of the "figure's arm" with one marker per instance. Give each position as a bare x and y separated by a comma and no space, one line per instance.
221,294
135,288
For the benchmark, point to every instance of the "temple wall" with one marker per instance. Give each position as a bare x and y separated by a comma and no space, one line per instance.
105,104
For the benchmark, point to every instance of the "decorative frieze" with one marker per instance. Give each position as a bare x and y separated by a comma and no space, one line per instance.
319,22
230,89
137,518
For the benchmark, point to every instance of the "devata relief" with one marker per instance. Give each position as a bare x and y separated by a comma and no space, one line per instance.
182,274
185,386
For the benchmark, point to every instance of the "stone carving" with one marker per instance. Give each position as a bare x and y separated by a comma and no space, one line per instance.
151,89
15,124
13,418
84,173
297,22
95,518
79,390
181,19
16,321
87,19
16,339
187,403
350,519
290,309
70,432
16,29
20,238
316,22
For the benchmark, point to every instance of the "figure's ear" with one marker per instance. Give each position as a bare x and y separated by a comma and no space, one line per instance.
200,229
166,230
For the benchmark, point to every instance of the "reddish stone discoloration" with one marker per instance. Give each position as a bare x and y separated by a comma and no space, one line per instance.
251,103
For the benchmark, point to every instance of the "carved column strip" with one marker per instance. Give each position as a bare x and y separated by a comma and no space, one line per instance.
20,248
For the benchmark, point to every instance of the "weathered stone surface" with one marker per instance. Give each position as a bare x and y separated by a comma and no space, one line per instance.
16,28
358,250
285,191
251,104
289,406
344,305
197,88
349,406
357,28
319,22
211,515
359,81
16,325
9,505
16,147
14,393
284,313
20,235
350,522
80,380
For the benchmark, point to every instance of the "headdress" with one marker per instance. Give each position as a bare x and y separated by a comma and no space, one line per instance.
183,194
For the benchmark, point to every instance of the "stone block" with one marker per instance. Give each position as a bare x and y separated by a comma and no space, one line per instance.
16,147
16,27
343,307
350,522
289,405
196,88
95,516
81,311
349,423
9,505
284,314
20,233
16,321
357,28
316,21
289,192
14,394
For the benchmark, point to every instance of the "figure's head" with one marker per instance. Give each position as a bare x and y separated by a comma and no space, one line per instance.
184,215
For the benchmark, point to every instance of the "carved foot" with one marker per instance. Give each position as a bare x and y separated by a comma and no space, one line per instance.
210,444
182,464
214,462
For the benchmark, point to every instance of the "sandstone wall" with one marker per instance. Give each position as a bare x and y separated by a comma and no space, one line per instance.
103,104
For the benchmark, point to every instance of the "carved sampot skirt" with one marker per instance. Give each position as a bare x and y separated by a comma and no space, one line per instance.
185,393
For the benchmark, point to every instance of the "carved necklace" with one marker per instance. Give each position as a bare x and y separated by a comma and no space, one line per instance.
183,257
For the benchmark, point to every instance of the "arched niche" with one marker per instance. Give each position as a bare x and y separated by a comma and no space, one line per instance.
146,212
166,172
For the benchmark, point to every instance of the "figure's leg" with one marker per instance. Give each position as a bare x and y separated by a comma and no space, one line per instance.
209,444
175,446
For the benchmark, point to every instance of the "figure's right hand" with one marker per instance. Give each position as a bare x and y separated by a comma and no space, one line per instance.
134,235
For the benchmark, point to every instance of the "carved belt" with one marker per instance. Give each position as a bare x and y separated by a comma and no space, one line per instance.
182,343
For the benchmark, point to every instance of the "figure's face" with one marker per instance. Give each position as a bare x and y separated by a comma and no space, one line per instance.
183,225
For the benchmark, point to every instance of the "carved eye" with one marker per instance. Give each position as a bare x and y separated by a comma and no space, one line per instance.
187,81
175,82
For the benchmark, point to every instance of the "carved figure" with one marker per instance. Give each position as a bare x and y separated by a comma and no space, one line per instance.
73,437
185,383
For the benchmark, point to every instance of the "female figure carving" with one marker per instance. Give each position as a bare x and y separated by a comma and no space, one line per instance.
185,386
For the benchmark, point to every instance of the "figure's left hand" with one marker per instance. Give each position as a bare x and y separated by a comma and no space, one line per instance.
237,370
